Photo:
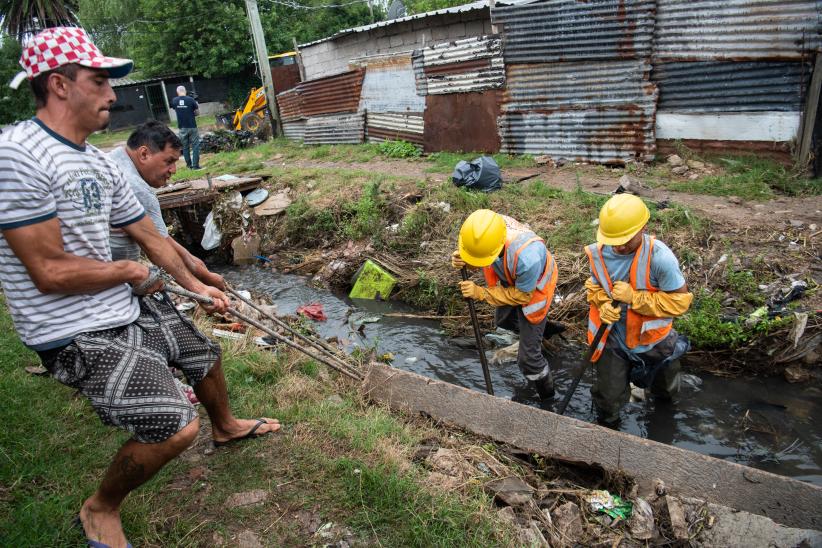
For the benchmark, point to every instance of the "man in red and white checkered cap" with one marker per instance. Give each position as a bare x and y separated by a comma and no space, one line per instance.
100,326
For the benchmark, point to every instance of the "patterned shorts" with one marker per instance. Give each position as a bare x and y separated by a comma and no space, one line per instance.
124,371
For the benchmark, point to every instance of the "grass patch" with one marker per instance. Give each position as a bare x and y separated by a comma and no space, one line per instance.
750,178
399,149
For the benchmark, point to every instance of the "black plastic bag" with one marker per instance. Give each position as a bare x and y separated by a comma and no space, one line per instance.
481,174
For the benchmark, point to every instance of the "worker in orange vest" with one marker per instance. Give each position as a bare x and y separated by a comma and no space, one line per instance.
637,289
521,277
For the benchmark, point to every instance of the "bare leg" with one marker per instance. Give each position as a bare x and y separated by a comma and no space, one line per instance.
213,394
134,464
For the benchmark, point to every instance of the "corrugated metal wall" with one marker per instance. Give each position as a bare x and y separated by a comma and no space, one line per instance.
473,64
736,29
294,130
338,93
389,85
569,30
394,127
578,79
335,129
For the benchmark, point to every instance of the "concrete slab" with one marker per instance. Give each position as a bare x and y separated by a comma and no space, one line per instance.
784,500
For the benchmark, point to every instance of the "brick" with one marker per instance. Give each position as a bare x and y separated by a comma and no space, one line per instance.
395,40
457,30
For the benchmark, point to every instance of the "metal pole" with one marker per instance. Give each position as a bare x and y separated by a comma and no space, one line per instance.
603,328
486,372
262,62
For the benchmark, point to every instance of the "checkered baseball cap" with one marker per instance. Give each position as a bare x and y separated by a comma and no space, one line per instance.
58,46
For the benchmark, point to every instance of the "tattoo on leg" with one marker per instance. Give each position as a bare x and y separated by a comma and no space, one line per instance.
131,470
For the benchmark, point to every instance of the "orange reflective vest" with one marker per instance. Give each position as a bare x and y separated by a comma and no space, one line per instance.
515,242
639,330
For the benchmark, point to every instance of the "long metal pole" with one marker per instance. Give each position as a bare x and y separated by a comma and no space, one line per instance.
585,361
486,372
262,62
342,368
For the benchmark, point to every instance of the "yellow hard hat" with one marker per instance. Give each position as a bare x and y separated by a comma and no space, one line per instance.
621,218
481,237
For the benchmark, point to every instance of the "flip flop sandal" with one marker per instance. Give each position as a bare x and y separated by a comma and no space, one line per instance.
93,543
250,435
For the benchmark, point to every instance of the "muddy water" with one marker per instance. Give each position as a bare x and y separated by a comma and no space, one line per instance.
764,423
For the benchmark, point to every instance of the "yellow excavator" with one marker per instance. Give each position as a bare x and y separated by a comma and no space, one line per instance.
253,115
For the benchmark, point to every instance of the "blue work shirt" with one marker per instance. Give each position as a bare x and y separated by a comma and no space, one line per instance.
530,266
185,106
665,276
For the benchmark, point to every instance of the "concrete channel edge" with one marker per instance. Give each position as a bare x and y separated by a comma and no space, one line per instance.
784,500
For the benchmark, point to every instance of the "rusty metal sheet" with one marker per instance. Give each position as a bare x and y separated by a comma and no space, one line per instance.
599,111
294,130
462,122
335,129
389,85
472,64
736,29
572,30
285,77
332,94
395,126
290,105
744,86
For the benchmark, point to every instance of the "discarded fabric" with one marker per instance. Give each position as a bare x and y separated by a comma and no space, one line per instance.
482,174
612,505
212,234
313,311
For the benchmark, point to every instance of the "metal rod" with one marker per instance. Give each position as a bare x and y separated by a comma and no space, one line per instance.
318,344
603,328
483,358
342,368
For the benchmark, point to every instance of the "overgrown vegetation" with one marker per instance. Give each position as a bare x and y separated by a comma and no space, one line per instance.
399,149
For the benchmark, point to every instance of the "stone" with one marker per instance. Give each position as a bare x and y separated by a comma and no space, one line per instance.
451,463
512,491
694,164
795,223
567,523
735,200
543,160
675,160
759,206
795,374
641,523
693,176
248,539
248,498
676,513
680,170
334,399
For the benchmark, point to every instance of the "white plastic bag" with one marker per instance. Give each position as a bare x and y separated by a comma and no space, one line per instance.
212,234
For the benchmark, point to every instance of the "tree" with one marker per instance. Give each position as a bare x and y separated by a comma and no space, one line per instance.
15,104
22,17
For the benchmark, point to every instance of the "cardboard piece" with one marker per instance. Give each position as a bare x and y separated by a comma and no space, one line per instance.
274,204
245,249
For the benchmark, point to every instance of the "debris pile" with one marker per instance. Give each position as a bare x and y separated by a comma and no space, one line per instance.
224,140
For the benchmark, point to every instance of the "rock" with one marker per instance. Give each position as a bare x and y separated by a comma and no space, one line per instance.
680,170
812,227
257,496
38,370
676,513
444,206
451,463
511,490
334,399
543,160
248,539
532,536
735,200
720,206
693,176
675,160
796,223
796,374
694,164
568,523
507,515
759,206
642,524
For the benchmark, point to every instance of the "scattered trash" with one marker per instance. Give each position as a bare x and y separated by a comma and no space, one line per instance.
642,524
511,490
501,337
186,306
265,342
256,197
236,200
756,316
245,248
313,311
798,327
226,177
567,520
212,235
482,174
38,370
412,359
358,319
187,390
612,505
637,393
372,281
444,206
543,160
222,140
223,334
691,381
505,355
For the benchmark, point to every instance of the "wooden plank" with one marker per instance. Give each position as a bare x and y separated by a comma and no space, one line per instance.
809,117
202,195
782,499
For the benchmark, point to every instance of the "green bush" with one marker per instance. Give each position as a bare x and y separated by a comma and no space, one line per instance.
399,149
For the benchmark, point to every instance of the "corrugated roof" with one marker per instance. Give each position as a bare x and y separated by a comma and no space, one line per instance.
122,82
481,4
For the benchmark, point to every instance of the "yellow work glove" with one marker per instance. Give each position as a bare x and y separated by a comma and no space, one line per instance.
622,292
470,290
500,296
595,295
608,313
661,304
456,260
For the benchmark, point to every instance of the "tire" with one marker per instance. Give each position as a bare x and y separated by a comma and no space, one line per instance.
250,122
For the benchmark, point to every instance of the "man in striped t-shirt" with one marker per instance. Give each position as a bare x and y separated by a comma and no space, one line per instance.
59,198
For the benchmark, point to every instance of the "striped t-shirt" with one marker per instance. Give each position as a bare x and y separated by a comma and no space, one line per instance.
42,176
